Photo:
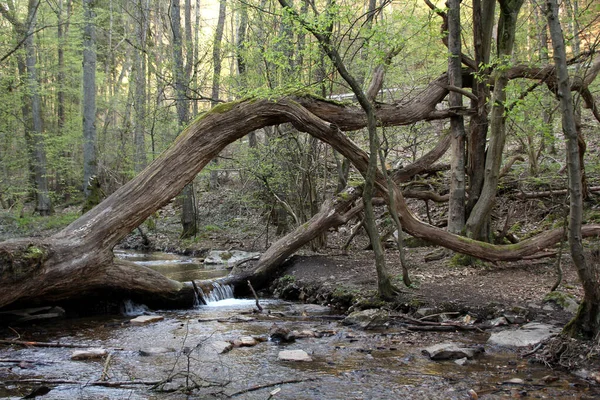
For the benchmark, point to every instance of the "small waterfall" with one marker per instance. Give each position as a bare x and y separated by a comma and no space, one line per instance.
219,292
131,309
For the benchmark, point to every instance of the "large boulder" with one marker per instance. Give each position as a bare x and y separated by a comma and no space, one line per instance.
528,335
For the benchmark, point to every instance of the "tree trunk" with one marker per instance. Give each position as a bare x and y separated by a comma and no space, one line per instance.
483,22
480,215
587,321
32,107
216,80
89,96
188,209
139,98
456,205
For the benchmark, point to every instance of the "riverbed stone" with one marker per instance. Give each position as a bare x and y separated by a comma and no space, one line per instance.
294,355
153,351
228,257
88,354
280,334
146,319
562,300
246,341
221,347
451,351
528,335
368,319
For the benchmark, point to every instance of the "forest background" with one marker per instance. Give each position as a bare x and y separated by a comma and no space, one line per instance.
93,92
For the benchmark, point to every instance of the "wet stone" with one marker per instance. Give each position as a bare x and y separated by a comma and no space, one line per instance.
451,351
221,347
461,361
88,354
500,321
368,319
146,319
247,341
528,335
294,355
153,351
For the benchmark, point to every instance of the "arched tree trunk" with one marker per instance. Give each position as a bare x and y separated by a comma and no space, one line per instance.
78,260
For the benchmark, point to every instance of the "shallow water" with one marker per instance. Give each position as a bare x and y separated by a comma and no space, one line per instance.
174,266
347,363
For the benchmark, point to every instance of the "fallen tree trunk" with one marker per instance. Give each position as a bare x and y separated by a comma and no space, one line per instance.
78,261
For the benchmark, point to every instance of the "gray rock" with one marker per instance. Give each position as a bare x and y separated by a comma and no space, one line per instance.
461,361
312,309
500,321
221,347
279,334
528,335
248,341
515,318
294,355
451,351
153,351
562,300
88,354
146,319
368,319
228,257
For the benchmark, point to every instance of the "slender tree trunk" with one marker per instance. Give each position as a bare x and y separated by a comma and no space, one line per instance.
456,204
139,98
479,217
90,159
188,210
385,287
216,80
587,321
483,23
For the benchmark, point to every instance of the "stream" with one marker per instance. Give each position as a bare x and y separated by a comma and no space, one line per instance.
180,352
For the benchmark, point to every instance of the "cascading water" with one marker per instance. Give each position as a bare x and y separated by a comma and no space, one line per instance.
131,309
222,296
219,292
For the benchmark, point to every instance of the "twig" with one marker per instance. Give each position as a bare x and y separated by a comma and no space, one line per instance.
243,261
437,315
104,376
17,360
82,383
267,385
255,297
44,344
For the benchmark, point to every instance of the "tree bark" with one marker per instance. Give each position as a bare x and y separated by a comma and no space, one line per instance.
483,23
587,321
480,215
90,161
189,226
456,205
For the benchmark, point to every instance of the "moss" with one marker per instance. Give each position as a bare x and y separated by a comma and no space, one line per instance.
223,107
561,298
34,252
287,279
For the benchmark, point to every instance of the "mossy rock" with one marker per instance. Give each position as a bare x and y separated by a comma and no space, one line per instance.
563,300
